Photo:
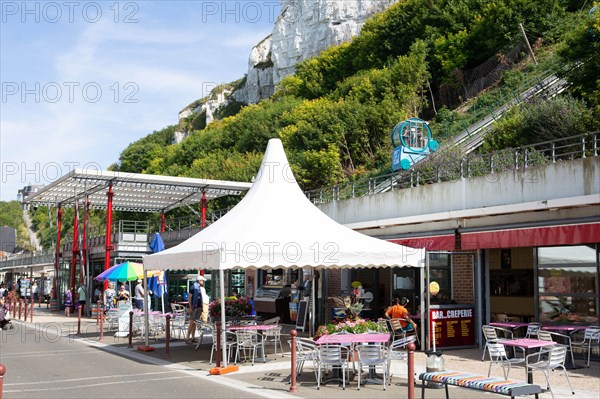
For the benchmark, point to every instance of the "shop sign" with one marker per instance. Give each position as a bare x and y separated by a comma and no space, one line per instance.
453,327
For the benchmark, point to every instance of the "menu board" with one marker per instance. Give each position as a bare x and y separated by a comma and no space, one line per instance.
453,327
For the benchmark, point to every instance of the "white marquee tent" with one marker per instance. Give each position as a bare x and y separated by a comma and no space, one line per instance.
276,226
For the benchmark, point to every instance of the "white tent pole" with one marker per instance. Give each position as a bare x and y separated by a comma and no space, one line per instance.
313,293
223,327
422,312
146,315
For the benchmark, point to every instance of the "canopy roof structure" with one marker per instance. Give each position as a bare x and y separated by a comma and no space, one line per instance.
276,226
132,191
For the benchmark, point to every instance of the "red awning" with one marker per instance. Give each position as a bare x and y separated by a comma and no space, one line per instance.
431,243
570,234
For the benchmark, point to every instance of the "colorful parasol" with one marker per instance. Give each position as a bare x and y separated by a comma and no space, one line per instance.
126,271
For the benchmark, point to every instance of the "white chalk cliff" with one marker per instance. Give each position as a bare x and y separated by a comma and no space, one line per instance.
304,29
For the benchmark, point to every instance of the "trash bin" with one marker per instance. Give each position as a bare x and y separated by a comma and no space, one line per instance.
434,362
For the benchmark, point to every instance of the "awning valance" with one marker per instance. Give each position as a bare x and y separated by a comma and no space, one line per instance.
445,242
569,234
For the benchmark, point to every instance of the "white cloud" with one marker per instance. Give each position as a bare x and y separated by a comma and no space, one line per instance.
170,57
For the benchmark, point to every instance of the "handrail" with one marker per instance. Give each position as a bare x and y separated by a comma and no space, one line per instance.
439,169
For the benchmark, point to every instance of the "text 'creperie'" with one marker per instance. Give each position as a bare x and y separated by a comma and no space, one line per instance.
451,314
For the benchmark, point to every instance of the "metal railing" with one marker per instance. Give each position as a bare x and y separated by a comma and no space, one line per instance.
444,167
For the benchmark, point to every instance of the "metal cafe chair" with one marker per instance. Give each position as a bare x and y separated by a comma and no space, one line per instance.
532,329
331,357
498,356
248,340
273,337
591,334
560,339
397,351
546,361
493,335
372,356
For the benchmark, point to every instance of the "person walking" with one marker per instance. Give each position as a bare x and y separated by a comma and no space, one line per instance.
195,308
205,299
68,301
82,297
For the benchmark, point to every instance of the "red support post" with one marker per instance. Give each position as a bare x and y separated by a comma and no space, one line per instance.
59,214
31,310
293,386
411,347
108,246
203,204
163,222
168,337
25,314
75,253
20,308
86,217
2,372
130,345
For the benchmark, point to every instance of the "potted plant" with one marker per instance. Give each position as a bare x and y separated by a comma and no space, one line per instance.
234,307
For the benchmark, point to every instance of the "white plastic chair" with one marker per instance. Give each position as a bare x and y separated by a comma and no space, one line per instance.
204,328
372,356
498,356
590,335
546,361
332,357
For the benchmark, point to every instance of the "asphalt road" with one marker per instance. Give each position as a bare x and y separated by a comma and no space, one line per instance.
44,364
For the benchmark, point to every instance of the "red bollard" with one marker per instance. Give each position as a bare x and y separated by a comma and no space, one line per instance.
293,386
218,357
411,347
25,314
20,306
168,337
130,329
79,320
31,311
2,371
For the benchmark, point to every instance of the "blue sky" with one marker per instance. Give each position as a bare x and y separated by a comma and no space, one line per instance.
82,80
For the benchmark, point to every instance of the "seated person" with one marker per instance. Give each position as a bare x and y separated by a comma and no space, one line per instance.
122,294
3,313
398,311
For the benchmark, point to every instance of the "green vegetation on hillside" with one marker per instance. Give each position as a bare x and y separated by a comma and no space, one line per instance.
11,215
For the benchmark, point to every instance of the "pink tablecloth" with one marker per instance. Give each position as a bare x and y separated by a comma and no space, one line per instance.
568,328
527,343
508,324
258,327
353,338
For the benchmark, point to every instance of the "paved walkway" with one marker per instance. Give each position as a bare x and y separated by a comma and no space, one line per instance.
271,379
